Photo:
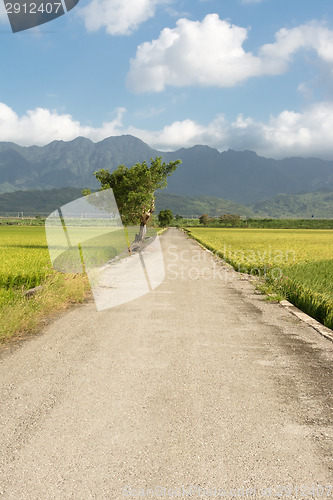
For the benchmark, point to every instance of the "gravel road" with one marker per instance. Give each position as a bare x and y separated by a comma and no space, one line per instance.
199,389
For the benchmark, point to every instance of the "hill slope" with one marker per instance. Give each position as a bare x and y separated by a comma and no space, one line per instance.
37,202
196,206
62,164
245,177
242,177
319,204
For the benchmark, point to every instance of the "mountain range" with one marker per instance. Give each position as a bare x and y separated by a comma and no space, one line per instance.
241,177
244,177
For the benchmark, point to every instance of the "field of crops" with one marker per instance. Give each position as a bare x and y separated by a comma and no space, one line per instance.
296,263
24,254
24,258
25,263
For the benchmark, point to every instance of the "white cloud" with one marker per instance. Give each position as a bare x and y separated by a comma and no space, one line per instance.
211,53
304,134
41,126
311,36
288,134
118,17
174,136
194,53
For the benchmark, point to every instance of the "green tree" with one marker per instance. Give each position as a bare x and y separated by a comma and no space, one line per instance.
165,217
204,219
230,220
134,189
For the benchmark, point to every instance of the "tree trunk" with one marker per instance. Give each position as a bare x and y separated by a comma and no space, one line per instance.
143,228
142,232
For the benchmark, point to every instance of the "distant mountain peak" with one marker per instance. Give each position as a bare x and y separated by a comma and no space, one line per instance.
122,138
245,152
240,176
80,138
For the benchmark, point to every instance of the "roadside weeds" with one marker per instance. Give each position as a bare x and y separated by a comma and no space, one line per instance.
270,292
23,314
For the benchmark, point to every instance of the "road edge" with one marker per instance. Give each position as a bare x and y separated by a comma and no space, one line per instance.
305,318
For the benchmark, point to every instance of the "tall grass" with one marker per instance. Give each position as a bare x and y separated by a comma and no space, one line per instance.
24,264
295,264
22,315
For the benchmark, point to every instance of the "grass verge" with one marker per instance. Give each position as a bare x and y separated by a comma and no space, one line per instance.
307,285
24,315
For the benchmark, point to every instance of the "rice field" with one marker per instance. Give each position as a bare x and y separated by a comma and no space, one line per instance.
24,254
24,257
297,264
25,263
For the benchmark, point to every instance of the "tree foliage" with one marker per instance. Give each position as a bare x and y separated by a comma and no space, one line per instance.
230,220
204,219
165,217
134,188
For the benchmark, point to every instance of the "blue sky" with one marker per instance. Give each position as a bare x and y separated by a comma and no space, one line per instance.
239,74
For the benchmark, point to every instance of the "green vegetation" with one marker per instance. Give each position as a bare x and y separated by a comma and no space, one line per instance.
24,258
225,221
38,221
44,202
165,218
241,176
205,220
289,223
197,205
317,204
286,206
24,264
35,202
295,264
98,245
230,220
134,189
309,286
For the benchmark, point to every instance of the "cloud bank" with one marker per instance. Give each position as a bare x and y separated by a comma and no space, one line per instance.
118,17
211,53
288,134
41,126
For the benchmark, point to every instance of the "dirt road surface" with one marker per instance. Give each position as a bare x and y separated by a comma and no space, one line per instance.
200,389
